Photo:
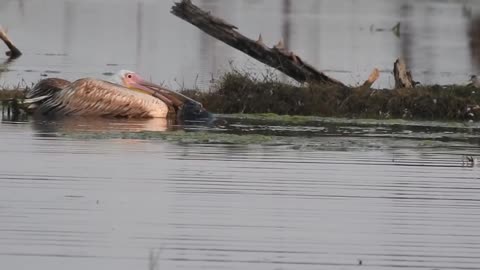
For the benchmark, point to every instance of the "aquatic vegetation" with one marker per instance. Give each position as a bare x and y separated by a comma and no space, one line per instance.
243,93
10,101
350,138
301,120
11,93
181,137
303,132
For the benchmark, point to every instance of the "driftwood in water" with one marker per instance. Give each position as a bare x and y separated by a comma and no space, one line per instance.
14,51
403,76
277,57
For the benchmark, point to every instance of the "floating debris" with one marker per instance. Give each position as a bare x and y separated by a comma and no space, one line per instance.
55,54
395,29
469,161
53,71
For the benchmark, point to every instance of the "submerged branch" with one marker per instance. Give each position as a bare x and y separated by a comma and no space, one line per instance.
14,51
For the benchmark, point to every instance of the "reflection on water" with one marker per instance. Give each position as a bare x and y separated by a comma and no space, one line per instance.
302,200
76,38
474,36
95,124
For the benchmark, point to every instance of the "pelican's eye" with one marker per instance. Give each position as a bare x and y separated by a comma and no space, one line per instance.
129,76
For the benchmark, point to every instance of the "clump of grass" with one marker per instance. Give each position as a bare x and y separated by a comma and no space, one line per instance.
237,92
10,101
11,93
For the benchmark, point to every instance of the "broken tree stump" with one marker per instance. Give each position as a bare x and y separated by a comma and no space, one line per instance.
277,57
403,77
372,78
14,51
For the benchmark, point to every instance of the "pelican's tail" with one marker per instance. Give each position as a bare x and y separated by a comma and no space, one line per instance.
35,99
42,92
30,104
47,87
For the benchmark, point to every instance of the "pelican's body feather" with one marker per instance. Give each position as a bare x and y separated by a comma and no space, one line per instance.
93,97
47,87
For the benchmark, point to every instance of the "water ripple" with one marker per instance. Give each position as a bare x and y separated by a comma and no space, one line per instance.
302,200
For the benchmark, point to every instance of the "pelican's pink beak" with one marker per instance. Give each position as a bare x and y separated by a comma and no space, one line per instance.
148,85
150,88
139,84
168,96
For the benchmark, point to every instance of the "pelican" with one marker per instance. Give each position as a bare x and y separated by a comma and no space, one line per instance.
126,95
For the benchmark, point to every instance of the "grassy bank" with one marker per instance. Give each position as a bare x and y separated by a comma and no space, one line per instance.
12,93
240,93
237,92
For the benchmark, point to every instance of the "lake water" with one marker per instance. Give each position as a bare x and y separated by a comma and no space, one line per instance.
346,39
251,192
315,194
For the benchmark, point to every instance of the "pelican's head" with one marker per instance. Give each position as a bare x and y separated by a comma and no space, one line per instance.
133,81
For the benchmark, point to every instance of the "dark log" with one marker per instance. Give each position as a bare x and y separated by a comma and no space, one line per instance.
277,57
14,51
403,77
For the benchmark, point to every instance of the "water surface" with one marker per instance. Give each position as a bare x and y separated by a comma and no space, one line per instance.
346,39
318,194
